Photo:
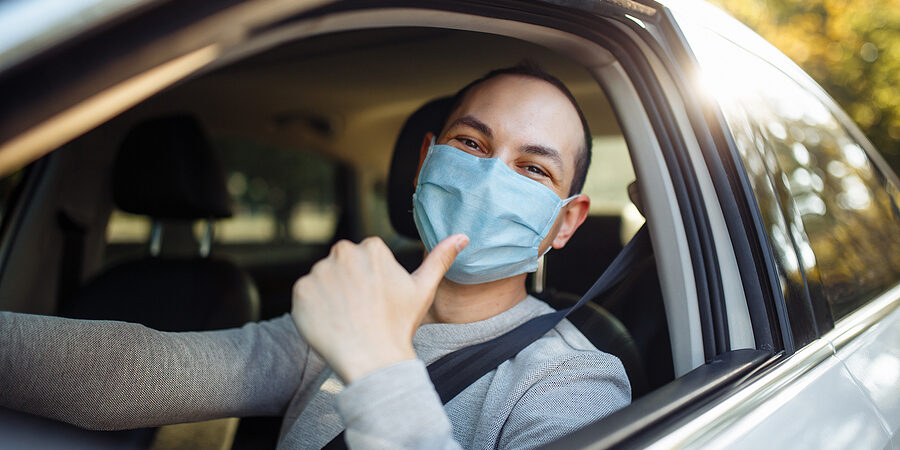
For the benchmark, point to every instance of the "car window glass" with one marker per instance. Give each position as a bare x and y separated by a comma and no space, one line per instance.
828,209
280,198
278,194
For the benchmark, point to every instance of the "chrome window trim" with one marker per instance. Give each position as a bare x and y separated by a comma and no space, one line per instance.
727,413
715,419
855,323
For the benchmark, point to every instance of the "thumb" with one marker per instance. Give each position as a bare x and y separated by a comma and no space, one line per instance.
439,260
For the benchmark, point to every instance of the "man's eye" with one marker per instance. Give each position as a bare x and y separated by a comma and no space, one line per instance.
536,170
469,143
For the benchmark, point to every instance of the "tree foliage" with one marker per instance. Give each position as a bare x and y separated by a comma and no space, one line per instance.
850,47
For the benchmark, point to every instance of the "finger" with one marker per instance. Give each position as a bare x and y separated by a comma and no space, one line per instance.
341,247
439,260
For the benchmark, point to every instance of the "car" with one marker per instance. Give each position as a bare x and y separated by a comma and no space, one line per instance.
148,148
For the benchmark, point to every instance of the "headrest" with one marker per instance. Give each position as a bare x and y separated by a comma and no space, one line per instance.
429,117
166,168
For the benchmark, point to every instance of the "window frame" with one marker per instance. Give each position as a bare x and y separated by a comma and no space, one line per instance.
685,397
40,109
258,37
502,19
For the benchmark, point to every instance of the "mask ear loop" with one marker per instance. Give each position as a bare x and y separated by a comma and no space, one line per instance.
539,278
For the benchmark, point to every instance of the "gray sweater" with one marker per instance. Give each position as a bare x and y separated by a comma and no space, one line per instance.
115,375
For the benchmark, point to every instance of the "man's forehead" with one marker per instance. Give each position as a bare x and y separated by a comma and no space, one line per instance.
511,100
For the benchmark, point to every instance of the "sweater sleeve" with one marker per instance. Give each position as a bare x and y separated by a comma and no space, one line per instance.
581,390
395,407
109,375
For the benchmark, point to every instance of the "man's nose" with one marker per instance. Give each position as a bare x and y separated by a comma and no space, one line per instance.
506,154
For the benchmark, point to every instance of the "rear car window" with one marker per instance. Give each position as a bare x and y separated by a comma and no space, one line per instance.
830,212
278,195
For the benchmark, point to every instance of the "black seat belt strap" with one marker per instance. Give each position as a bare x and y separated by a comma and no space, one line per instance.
454,372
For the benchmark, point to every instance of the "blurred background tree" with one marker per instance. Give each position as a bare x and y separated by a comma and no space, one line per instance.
850,47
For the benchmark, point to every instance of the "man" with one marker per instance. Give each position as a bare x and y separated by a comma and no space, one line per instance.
496,189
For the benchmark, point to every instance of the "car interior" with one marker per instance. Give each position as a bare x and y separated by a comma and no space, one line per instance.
199,208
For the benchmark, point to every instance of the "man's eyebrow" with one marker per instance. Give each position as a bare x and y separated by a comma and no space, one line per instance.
542,150
472,122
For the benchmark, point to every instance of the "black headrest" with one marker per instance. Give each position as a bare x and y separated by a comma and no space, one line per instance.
166,168
429,117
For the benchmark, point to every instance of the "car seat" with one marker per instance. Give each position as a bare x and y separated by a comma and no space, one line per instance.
600,327
167,169
637,301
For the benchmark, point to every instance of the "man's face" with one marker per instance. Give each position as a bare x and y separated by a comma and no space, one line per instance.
526,123
533,128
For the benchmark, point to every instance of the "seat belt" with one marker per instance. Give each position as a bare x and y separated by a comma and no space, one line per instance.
454,372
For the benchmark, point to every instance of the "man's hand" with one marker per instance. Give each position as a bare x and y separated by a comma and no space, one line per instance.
359,308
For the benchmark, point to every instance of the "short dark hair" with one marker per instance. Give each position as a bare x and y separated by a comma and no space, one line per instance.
532,70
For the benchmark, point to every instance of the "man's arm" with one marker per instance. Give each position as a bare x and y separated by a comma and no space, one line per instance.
395,407
114,375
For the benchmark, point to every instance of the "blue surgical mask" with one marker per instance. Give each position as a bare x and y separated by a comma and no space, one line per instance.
506,215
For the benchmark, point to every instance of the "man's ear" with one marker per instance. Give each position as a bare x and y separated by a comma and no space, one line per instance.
423,151
573,215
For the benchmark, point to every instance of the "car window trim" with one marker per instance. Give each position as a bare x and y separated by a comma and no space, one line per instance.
699,427
857,322
730,308
702,426
642,422
765,300
702,250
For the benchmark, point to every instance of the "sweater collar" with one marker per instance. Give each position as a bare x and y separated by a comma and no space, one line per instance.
433,340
